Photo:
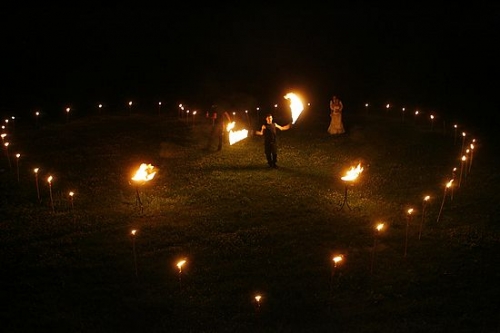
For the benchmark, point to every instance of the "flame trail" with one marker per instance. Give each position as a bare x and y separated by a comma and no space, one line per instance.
295,105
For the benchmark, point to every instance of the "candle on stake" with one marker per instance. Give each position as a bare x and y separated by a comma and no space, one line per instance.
448,185
248,119
453,176
130,107
49,180
35,170
408,221
6,145
432,122
463,143
71,195
258,300
179,265
467,159
424,205
159,108
455,128
17,165
471,155
464,158
415,116
336,261
133,233
378,228
67,114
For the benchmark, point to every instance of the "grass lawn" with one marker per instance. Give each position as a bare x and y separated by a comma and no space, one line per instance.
72,265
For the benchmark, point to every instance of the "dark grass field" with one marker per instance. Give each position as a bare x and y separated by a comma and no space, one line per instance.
244,229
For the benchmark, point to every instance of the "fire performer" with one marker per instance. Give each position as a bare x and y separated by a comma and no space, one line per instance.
270,144
219,121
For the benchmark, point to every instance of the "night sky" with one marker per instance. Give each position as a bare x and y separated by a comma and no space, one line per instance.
443,59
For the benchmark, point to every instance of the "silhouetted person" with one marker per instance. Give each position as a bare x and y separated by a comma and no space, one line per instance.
270,144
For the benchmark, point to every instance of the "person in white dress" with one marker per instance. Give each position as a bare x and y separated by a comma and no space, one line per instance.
336,124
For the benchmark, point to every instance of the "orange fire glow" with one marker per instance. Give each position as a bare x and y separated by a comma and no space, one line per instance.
235,136
353,173
295,105
144,173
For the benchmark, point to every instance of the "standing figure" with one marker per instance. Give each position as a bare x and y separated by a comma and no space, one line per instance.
336,125
220,119
270,144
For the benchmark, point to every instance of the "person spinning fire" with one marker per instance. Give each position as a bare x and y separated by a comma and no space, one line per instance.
270,144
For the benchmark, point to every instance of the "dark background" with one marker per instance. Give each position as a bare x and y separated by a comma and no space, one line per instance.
442,59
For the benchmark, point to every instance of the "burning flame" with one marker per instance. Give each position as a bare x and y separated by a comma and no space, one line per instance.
235,136
353,173
230,126
295,105
144,173
337,259
180,264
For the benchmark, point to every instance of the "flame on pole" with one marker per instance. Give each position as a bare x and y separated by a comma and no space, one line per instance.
350,176
35,170
296,106
145,173
353,173
448,185
258,301
179,265
378,229
408,221
133,233
49,180
424,205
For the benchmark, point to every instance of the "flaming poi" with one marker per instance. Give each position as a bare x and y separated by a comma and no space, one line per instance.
235,136
296,106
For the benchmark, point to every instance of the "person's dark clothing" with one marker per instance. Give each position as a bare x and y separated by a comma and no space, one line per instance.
217,129
270,146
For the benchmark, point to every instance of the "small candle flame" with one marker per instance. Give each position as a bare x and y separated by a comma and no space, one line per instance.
180,264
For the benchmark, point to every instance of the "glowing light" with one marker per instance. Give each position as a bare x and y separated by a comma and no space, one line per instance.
180,264
144,173
296,106
353,173
337,260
